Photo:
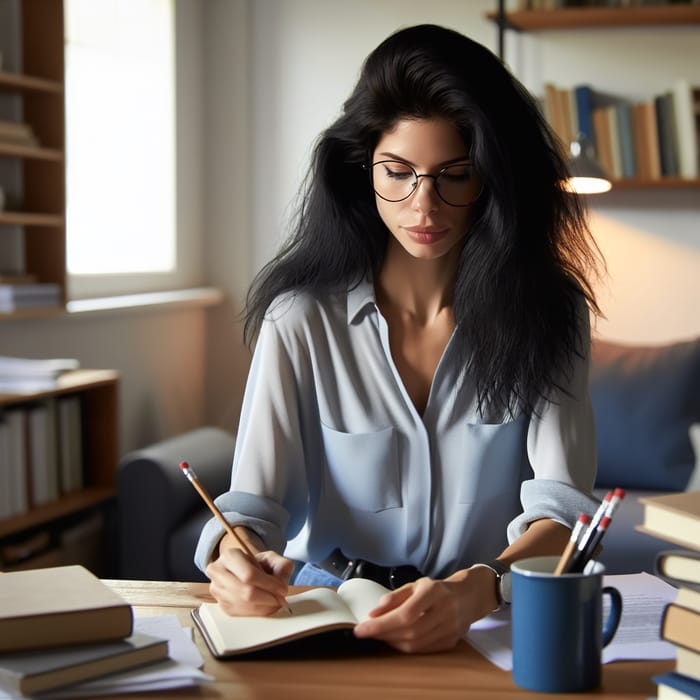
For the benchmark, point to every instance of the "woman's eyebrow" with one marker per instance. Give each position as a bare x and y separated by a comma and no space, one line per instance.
444,164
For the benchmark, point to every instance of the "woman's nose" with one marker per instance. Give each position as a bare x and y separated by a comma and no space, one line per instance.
425,197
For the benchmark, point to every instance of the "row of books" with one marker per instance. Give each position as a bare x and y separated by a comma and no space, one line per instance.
17,134
41,453
647,139
676,519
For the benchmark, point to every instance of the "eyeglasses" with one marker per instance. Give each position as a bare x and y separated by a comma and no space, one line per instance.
456,185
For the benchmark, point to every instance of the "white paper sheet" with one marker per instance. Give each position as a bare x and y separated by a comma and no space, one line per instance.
643,600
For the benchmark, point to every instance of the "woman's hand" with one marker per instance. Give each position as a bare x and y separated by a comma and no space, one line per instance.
242,586
431,615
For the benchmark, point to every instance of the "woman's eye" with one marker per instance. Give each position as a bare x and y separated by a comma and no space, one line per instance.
399,174
458,173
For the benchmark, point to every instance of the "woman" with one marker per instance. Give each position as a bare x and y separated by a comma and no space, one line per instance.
417,409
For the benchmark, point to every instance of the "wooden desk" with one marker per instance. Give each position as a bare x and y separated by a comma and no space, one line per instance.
461,673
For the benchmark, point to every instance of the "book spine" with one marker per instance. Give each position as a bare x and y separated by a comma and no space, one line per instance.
681,626
43,453
625,129
665,135
684,113
584,111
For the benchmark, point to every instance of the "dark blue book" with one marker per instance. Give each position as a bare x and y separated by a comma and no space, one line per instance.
583,96
679,682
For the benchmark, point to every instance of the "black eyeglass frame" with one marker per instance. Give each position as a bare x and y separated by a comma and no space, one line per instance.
370,169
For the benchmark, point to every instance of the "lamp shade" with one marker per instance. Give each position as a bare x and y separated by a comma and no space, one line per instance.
585,174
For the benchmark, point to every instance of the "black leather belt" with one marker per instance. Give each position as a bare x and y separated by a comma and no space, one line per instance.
391,577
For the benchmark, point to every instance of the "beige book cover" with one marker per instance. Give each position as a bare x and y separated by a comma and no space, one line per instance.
41,608
312,612
674,517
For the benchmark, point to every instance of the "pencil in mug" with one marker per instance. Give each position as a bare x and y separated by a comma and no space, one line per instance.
568,553
192,478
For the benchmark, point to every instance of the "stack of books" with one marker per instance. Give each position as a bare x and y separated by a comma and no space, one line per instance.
19,296
676,518
17,134
62,625
20,374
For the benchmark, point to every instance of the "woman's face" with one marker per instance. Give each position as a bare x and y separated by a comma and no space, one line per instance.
424,224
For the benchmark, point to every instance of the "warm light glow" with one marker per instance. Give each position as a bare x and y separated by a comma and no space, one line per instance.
587,185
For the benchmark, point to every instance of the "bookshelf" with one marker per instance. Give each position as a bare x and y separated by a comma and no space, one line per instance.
590,17
37,93
97,391
539,20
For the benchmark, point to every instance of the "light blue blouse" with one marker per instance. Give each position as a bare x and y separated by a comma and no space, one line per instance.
331,451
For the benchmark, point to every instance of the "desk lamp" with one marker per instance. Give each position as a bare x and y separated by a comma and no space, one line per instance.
585,175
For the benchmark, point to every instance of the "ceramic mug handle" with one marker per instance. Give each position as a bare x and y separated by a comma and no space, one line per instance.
614,615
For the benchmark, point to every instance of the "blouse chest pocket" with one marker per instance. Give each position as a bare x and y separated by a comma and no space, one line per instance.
363,468
495,456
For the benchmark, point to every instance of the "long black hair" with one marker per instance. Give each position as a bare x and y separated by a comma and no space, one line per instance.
525,265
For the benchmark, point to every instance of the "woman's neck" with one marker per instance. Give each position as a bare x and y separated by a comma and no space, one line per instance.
421,289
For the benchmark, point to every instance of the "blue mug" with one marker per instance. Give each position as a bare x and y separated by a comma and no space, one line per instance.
558,631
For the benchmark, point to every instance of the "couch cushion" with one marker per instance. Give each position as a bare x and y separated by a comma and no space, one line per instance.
644,400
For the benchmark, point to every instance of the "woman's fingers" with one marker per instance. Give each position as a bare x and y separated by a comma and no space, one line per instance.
245,587
420,617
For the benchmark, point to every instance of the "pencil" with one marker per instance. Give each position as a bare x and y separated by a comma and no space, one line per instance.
568,552
192,478
583,557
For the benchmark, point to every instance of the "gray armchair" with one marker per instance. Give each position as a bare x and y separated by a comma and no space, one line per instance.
160,514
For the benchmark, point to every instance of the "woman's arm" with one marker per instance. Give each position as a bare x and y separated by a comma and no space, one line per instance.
433,615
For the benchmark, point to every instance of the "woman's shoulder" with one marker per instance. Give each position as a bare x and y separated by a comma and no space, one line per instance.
296,309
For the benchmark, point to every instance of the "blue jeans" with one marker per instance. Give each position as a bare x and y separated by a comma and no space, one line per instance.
313,575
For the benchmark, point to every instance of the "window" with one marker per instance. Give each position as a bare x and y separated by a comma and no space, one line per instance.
121,222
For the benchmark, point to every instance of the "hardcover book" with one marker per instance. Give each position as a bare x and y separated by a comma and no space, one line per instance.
59,606
674,517
680,567
30,672
681,626
674,686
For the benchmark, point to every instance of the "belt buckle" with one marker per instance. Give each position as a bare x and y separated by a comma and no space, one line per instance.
400,575
353,569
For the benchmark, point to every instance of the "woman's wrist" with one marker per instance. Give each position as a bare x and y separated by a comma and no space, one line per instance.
501,573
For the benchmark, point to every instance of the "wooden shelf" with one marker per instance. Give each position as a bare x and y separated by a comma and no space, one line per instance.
25,218
64,506
32,153
68,383
669,183
16,82
581,17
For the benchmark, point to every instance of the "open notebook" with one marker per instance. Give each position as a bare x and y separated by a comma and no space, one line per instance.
313,612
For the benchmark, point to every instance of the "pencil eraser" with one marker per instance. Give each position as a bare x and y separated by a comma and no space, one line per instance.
620,493
184,466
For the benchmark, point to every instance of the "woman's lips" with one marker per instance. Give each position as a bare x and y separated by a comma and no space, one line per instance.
425,234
